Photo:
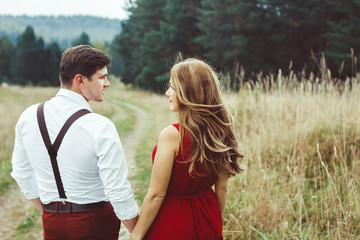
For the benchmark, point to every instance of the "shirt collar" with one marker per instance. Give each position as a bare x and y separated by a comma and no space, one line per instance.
74,96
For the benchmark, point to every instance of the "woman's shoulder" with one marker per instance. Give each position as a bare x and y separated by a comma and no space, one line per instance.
169,138
170,131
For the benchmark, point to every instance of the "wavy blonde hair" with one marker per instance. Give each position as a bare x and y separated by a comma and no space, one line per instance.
203,114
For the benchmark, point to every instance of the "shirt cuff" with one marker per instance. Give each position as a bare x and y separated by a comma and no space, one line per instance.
126,210
28,187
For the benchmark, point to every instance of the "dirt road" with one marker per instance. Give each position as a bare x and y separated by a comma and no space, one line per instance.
130,143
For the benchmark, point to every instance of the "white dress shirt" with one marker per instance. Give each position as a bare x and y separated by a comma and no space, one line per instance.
91,159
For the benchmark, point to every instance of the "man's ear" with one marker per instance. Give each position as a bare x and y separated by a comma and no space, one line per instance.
79,80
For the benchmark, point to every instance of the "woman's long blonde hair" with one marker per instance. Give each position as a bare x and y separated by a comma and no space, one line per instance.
204,115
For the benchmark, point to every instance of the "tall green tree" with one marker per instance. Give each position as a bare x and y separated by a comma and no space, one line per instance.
37,75
343,36
149,15
240,32
83,39
50,65
33,62
116,61
145,61
306,24
220,33
25,63
6,49
126,44
179,29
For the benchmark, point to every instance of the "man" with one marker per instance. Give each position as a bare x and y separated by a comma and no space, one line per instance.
81,185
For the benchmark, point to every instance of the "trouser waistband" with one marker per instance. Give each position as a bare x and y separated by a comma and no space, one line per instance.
69,207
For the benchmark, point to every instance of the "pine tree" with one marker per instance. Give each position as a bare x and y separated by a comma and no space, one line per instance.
306,29
126,44
83,39
52,58
24,63
6,49
149,14
143,59
179,28
116,61
238,32
33,62
36,73
344,37
220,31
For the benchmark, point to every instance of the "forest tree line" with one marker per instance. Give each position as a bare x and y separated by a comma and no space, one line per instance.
258,35
62,29
33,62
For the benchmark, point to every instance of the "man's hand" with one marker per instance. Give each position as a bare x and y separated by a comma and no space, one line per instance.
130,223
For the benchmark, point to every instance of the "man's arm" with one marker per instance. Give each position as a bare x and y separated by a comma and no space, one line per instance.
22,170
37,203
113,172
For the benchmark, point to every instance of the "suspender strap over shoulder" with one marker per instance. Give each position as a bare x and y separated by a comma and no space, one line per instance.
53,148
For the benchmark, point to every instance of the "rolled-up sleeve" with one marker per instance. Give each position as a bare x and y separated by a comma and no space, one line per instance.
22,170
113,172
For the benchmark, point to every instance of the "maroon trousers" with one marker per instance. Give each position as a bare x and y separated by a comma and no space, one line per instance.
95,224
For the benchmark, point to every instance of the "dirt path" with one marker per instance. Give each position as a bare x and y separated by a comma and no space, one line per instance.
14,208
130,143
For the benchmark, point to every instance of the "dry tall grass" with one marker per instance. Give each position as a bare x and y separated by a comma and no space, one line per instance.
302,145
13,101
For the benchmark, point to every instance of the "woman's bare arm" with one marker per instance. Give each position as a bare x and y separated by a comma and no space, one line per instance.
167,149
221,191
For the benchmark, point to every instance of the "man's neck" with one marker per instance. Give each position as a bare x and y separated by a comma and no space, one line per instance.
74,89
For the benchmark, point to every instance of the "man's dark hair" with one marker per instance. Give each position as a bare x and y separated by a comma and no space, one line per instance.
82,59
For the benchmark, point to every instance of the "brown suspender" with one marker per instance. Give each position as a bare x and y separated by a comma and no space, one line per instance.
53,148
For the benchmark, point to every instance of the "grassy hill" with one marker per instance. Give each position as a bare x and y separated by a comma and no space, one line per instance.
62,29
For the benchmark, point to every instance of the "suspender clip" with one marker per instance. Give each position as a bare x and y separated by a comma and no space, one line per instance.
63,201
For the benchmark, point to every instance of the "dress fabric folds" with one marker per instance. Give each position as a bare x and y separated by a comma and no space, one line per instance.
190,210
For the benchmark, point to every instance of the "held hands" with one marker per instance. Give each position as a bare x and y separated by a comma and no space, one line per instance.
132,237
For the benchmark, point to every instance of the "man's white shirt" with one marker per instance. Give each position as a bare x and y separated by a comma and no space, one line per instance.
91,159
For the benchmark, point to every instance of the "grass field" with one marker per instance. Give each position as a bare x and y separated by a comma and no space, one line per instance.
302,147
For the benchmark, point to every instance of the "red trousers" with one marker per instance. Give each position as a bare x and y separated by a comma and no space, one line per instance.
95,224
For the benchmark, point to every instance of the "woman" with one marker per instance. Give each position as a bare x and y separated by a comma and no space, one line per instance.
191,156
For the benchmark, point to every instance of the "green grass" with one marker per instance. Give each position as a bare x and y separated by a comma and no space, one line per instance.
126,124
26,225
141,179
5,179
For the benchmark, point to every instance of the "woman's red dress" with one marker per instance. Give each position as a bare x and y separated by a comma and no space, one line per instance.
190,210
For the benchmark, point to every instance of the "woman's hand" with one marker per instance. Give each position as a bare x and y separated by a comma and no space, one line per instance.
132,237
221,191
